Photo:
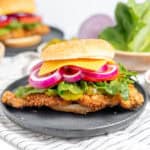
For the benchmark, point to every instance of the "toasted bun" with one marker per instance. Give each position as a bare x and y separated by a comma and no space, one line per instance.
23,42
14,6
74,108
73,49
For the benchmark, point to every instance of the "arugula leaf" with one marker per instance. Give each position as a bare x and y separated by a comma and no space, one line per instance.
119,85
124,90
114,87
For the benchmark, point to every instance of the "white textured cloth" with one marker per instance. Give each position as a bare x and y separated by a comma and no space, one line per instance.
135,137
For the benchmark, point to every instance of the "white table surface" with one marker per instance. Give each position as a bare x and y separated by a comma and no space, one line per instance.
6,146
68,15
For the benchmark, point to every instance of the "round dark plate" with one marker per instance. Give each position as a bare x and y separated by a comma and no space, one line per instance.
55,33
63,124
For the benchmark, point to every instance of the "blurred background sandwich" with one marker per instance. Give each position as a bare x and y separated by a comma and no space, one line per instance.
19,25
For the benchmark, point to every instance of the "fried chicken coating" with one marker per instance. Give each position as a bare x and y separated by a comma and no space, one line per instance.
18,33
88,103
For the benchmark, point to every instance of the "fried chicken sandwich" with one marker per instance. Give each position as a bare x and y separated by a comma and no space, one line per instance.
19,25
77,76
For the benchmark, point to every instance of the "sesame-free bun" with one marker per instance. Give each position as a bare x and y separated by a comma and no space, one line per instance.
23,42
16,6
75,49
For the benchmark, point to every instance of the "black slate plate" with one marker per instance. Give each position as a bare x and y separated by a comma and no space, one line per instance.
55,33
62,124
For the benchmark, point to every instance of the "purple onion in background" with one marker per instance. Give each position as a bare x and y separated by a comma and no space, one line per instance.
93,25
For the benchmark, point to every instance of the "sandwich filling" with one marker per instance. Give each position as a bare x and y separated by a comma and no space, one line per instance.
72,82
20,25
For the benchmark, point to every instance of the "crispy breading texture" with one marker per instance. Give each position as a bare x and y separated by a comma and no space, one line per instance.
88,103
18,33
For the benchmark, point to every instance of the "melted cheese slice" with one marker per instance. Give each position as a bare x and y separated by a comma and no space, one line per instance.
93,64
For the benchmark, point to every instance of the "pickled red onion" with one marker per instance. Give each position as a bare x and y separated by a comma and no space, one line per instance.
37,66
103,68
71,74
45,81
95,76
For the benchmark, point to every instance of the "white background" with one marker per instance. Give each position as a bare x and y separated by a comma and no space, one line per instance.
68,15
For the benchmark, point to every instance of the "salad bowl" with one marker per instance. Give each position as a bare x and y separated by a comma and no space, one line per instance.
133,60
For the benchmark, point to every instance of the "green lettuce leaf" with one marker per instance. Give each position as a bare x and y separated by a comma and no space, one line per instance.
31,26
23,91
115,37
132,30
141,9
14,25
4,31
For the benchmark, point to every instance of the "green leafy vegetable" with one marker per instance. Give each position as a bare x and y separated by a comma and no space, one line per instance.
3,31
23,91
74,91
119,85
31,26
14,25
115,37
83,85
132,30
51,92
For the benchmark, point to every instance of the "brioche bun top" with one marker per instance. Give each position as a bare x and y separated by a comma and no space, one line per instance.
75,49
16,6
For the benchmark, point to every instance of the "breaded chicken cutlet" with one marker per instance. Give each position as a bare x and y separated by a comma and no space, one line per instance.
88,103
19,33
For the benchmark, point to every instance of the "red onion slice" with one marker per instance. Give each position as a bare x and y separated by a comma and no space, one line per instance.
71,73
18,15
46,81
4,21
36,66
96,76
103,68
3,18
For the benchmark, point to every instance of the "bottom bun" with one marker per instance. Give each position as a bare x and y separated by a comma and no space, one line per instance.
23,42
74,108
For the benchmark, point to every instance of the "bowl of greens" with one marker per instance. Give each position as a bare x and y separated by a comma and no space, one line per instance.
131,34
